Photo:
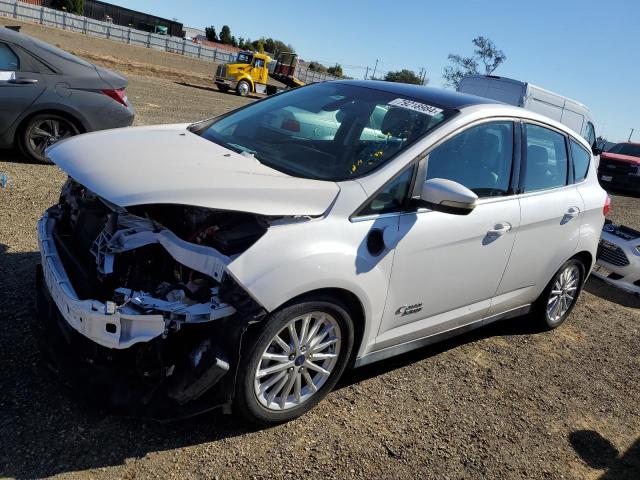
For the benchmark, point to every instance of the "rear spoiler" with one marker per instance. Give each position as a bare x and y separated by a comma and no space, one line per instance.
15,28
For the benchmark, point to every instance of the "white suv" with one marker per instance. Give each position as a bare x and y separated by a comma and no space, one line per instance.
225,263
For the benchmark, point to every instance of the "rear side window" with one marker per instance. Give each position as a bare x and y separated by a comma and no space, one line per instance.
479,158
581,160
590,134
8,60
546,159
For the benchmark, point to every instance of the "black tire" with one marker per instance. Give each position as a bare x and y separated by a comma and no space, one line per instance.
542,316
222,88
243,88
246,401
32,144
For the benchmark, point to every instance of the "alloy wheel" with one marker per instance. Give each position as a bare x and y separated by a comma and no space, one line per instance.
563,293
47,132
298,361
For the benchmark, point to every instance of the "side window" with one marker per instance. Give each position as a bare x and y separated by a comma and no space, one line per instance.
8,60
546,159
391,197
581,160
259,63
590,133
479,158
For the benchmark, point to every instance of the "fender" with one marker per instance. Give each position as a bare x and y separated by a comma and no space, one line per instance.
272,280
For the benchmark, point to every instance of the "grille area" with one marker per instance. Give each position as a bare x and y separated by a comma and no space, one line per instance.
221,71
612,254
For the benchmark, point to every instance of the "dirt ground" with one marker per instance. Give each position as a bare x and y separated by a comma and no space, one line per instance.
503,402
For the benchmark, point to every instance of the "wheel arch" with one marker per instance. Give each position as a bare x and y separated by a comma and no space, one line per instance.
249,80
350,300
587,259
75,119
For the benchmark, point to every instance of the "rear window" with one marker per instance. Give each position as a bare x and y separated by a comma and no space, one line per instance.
581,160
50,49
546,159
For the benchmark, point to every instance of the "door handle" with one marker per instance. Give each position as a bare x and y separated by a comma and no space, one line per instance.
572,212
22,81
499,229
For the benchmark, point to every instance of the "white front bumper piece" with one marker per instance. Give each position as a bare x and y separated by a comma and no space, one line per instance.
117,326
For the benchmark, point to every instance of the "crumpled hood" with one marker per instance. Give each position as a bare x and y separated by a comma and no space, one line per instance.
168,164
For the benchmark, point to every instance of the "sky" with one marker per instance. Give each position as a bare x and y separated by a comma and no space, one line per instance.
587,50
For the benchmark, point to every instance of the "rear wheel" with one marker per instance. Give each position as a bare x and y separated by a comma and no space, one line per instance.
294,361
41,132
557,300
243,88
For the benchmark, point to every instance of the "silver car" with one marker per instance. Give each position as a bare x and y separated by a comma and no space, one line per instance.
228,263
48,94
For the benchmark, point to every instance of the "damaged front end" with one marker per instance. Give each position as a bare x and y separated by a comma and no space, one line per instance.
138,305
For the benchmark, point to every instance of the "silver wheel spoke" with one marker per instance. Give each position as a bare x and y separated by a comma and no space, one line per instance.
273,369
322,356
324,345
276,389
317,368
294,336
265,386
282,344
276,357
309,380
297,390
304,329
287,389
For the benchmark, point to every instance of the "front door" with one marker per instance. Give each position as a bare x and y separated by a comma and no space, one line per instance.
447,267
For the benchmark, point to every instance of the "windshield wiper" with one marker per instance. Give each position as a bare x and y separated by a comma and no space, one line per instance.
241,149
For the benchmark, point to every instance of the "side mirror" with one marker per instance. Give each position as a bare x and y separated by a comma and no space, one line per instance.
447,196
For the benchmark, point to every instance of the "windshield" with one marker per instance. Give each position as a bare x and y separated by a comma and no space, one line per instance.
244,57
631,149
326,131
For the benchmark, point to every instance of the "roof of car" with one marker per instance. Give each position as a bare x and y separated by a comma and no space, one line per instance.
12,36
437,96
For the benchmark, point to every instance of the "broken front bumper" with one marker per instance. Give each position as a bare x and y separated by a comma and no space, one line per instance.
108,324
145,364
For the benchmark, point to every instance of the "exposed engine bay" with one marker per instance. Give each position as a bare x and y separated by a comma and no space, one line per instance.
149,286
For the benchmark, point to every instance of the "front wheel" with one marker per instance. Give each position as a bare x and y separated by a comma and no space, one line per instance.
557,300
41,132
294,361
243,88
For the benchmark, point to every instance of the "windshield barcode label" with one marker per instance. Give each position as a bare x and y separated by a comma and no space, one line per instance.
416,106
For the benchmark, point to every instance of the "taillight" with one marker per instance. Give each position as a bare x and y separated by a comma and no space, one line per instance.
291,125
607,206
117,94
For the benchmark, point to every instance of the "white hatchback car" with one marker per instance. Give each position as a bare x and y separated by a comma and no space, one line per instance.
225,263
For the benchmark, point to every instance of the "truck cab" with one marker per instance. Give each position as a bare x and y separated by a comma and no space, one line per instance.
251,73
248,74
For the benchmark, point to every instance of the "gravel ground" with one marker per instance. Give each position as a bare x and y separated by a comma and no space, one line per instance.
503,402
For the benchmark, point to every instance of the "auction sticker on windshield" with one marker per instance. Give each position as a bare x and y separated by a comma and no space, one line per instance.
415,106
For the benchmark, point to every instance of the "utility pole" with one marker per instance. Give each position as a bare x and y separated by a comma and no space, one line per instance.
630,135
366,73
374,70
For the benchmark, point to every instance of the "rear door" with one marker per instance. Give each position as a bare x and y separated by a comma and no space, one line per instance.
551,210
20,84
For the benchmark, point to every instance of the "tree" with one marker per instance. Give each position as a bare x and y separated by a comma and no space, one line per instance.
336,70
485,53
210,32
225,35
404,76
71,6
317,67
234,42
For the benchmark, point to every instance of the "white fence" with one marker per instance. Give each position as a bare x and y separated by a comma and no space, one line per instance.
95,28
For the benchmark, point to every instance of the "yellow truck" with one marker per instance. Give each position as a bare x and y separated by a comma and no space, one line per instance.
256,73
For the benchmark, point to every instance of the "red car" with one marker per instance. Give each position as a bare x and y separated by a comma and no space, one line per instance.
620,167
